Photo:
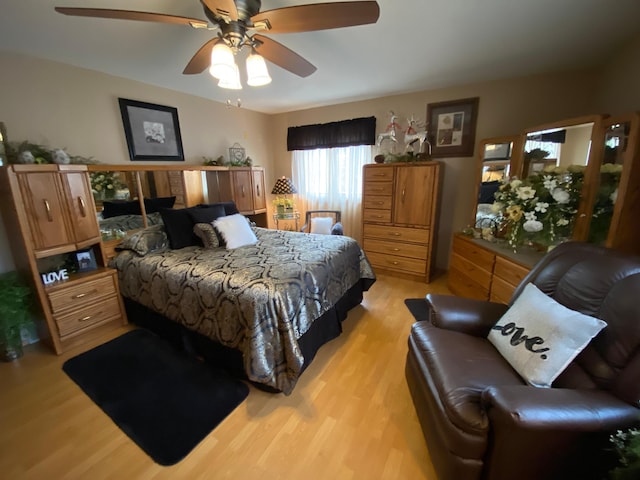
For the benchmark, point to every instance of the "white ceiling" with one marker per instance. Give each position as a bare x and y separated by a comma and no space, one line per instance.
415,45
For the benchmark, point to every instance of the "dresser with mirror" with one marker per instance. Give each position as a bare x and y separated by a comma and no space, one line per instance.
604,149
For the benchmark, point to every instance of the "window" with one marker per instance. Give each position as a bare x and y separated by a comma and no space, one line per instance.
331,178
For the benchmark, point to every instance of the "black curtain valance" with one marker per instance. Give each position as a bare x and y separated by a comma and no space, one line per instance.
346,133
552,137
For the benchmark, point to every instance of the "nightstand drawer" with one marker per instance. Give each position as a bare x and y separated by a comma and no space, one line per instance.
81,294
99,313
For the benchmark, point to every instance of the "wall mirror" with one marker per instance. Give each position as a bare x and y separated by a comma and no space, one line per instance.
560,146
614,214
494,164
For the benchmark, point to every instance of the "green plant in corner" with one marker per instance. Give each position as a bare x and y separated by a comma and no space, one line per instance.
14,314
627,446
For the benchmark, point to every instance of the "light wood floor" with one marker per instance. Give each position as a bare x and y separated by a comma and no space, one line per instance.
349,417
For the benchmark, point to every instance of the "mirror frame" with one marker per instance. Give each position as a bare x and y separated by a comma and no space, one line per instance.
624,229
514,160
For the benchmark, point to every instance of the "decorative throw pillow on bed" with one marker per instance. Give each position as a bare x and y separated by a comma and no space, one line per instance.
148,240
207,234
540,337
235,231
321,225
116,208
152,205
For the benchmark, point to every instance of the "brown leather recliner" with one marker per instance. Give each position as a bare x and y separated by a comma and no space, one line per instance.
481,420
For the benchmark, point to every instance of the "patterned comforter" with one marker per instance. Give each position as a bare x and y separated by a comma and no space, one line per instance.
128,222
258,299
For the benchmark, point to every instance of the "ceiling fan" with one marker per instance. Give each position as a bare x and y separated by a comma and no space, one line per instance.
235,19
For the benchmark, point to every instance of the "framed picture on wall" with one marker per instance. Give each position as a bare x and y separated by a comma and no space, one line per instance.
452,127
152,131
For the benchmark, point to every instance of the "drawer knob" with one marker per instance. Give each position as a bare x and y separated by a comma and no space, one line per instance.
80,295
395,263
395,234
395,249
85,319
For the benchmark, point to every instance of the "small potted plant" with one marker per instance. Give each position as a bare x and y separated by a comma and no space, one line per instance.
14,314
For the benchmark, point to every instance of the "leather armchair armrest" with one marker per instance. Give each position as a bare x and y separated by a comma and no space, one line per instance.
475,317
552,432
534,408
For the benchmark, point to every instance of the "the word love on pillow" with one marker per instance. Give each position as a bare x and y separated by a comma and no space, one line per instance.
518,336
539,337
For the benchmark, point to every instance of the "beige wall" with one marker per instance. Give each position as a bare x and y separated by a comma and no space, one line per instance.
619,91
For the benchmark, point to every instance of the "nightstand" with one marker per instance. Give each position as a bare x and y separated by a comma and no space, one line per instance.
287,216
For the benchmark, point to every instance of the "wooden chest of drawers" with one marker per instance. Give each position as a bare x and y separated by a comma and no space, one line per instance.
481,271
400,203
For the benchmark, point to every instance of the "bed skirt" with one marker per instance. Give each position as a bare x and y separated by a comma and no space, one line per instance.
324,329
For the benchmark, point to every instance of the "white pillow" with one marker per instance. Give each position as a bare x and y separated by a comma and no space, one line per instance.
321,225
235,230
539,337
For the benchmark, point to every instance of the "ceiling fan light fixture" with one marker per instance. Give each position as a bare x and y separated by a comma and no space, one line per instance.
223,65
231,82
257,72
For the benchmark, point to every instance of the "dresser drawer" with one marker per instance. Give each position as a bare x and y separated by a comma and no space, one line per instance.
404,234
509,271
78,320
378,188
373,215
475,254
471,270
393,262
81,294
462,285
501,291
379,202
378,174
396,248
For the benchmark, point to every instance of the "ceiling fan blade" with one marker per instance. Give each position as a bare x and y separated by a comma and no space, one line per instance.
320,16
283,57
222,8
202,59
131,15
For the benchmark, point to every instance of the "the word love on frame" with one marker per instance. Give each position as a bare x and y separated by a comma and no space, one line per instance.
452,127
152,131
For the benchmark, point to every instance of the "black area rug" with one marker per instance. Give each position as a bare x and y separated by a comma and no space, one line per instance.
418,308
164,401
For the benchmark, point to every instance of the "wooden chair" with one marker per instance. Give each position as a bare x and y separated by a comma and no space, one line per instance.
323,222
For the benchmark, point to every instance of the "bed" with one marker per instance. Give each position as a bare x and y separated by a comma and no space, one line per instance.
128,222
261,300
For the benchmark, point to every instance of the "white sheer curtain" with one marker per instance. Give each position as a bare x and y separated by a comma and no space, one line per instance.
331,178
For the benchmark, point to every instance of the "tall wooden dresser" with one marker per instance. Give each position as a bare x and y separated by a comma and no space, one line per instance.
49,212
400,214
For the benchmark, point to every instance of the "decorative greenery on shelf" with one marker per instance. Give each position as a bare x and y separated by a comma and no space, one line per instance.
404,157
220,161
536,154
28,152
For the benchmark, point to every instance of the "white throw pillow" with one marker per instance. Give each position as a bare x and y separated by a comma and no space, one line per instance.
539,337
321,225
235,230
